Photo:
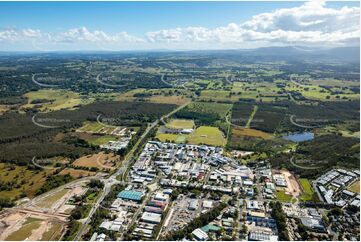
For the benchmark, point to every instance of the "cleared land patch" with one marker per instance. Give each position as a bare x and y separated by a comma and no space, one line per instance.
307,190
180,124
250,132
48,201
76,173
100,161
355,187
51,99
26,230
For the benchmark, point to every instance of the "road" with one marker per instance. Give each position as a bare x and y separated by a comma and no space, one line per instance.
122,171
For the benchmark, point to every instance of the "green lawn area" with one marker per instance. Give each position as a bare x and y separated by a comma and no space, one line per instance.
172,138
166,137
307,190
101,140
283,197
25,231
355,187
207,135
180,124
48,201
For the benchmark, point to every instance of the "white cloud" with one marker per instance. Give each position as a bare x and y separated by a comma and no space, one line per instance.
312,23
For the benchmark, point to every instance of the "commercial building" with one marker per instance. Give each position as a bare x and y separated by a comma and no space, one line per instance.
130,195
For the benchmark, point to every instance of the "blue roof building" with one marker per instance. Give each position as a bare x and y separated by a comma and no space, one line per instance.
130,195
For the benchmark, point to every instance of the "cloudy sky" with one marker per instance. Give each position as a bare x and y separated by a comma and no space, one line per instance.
44,26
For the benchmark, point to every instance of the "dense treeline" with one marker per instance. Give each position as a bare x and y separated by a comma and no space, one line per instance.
21,139
53,181
324,152
281,220
275,117
335,149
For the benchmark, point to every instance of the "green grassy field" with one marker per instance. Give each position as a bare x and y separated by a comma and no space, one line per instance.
180,124
207,135
283,197
102,139
307,190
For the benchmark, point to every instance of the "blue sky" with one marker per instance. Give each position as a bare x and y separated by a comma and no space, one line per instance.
174,25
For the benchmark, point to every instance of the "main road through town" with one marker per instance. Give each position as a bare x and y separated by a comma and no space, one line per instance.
127,162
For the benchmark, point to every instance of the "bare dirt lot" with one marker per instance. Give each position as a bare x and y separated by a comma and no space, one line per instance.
23,226
293,188
100,161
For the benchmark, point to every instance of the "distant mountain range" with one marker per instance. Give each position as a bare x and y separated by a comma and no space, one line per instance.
348,54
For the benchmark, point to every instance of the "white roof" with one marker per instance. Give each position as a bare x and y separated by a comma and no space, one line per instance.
200,234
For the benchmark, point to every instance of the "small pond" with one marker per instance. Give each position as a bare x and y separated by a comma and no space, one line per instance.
299,137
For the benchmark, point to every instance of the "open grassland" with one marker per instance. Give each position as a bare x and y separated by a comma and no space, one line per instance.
48,201
258,91
307,193
76,173
333,83
102,139
100,160
173,138
355,187
91,127
26,230
52,100
207,135
316,92
220,109
165,96
23,180
180,124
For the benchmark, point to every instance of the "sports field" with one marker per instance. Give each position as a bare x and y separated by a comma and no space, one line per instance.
207,135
